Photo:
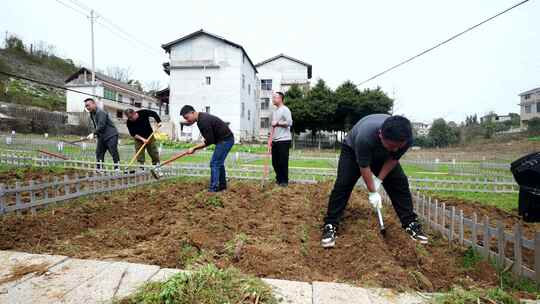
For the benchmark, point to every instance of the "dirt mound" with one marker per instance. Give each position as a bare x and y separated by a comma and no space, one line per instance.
272,233
24,174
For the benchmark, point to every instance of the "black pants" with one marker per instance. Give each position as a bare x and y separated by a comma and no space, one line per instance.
111,145
280,160
396,185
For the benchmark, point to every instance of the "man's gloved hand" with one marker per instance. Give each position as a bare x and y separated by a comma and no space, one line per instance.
90,136
375,200
377,182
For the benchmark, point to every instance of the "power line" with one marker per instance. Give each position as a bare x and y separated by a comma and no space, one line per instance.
116,29
113,31
72,8
53,85
443,42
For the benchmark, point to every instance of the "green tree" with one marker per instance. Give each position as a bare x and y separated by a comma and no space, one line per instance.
300,109
442,135
533,126
348,99
322,107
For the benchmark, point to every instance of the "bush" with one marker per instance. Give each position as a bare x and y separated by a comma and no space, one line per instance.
533,126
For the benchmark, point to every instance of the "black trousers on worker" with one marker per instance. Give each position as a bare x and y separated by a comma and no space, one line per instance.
280,160
110,144
396,185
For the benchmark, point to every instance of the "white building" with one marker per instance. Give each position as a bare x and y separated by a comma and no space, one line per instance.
213,75
116,96
421,129
530,106
277,74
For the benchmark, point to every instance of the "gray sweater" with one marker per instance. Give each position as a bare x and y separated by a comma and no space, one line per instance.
283,116
103,126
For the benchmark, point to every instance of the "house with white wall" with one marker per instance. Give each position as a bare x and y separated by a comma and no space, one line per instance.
277,74
530,106
114,97
421,128
213,75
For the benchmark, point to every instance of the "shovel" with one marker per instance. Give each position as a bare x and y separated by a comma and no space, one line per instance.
53,154
156,171
381,222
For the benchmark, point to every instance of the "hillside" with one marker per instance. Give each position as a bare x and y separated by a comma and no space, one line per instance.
35,62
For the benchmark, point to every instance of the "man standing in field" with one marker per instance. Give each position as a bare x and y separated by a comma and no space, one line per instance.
105,131
138,124
372,149
215,132
281,139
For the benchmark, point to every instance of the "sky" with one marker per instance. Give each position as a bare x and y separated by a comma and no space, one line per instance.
479,72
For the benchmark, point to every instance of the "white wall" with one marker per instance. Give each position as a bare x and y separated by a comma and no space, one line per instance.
248,95
75,101
223,95
288,69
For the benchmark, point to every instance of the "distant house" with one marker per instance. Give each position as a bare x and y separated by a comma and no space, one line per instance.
279,73
492,117
530,105
115,96
421,129
213,75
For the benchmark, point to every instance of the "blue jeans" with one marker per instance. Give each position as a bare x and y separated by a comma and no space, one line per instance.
218,179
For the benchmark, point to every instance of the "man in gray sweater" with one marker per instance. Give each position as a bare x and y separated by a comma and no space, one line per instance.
105,131
281,139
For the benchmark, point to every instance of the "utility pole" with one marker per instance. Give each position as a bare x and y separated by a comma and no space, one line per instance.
92,18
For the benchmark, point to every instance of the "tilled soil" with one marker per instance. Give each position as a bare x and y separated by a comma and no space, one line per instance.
271,232
24,174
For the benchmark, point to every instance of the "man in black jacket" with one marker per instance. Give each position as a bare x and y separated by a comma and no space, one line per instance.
215,132
105,131
138,124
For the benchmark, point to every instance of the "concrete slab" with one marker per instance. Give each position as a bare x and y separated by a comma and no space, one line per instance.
10,260
100,288
164,274
292,292
335,293
134,277
55,284
388,296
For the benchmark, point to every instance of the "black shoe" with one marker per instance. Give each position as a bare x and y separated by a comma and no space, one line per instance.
284,185
222,188
328,239
414,229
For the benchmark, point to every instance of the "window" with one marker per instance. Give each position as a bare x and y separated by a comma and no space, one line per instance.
243,58
266,84
207,109
138,104
109,94
243,110
249,114
208,80
249,89
538,107
528,108
265,103
119,97
527,96
132,101
243,81
265,122
119,114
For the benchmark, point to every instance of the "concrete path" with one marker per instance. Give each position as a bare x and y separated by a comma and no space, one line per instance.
34,278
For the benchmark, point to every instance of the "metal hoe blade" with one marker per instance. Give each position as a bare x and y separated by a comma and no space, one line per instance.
381,222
